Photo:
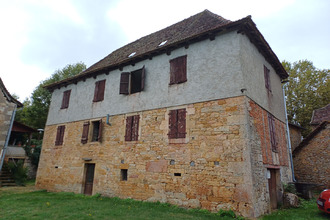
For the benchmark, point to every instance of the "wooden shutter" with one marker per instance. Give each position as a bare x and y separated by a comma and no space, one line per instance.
267,80
135,127
172,71
60,135
99,137
173,124
124,83
100,95
66,98
84,137
271,124
128,134
182,69
143,76
96,91
181,123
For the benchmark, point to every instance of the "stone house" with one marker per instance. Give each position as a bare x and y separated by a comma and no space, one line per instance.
295,135
311,157
192,115
8,106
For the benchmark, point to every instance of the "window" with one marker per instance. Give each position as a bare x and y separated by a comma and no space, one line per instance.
99,91
96,134
177,124
60,135
178,70
267,79
66,98
97,130
271,125
132,128
123,174
132,82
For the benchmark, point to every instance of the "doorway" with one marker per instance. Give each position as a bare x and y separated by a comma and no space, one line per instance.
89,178
272,184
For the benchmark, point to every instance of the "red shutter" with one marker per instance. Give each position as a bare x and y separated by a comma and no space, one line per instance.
181,123
173,124
135,127
99,138
124,83
84,137
96,91
143,76
129,122
100,95
271,124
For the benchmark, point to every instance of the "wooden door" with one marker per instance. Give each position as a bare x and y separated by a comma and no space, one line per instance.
89,178
272,189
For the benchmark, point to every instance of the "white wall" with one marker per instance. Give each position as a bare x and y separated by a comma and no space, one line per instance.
215,69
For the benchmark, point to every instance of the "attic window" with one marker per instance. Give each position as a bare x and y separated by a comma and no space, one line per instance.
132,54
162,43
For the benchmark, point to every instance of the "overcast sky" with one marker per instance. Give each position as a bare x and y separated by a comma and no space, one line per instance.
40,36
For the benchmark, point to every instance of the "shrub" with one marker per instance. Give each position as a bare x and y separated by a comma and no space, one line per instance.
19,172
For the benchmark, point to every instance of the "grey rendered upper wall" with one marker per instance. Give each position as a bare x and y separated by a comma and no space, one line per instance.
252,63
214,71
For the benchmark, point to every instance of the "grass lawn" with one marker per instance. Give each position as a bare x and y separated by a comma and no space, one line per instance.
26,203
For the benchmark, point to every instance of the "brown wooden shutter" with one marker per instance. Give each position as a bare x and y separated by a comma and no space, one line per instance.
124,83
59,135
173,124
271,124
267,79
181,123
96,91
66,98
84,137
143,76
173,72
182,69
129,122
99,137
100,95
135,127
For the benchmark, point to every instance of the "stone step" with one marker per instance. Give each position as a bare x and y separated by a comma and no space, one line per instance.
8,184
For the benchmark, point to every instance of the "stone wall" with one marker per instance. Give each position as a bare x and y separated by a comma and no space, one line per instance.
311,162
210,169
6,111
295,136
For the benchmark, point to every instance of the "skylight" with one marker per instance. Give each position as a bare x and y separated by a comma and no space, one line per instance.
162,43
132,54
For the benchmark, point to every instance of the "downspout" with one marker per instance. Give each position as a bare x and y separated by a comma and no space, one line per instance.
3,154
287,130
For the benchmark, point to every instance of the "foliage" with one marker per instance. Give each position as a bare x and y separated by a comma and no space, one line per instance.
290,188
18,171
34,113
34,152
308,89
227,213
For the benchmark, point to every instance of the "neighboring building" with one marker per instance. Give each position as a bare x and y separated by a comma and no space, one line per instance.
311,158
295,135
192,115
7,106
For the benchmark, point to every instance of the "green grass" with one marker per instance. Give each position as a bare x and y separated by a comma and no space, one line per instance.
307,210
25,203
46,205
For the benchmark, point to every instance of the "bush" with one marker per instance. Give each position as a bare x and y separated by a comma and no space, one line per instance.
19,172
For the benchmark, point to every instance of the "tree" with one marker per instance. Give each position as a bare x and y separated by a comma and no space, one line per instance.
34,113
308,89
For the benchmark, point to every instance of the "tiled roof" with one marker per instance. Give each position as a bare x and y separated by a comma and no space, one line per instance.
7,95
320,115
198,27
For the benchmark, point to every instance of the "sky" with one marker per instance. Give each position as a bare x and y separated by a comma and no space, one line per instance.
38,37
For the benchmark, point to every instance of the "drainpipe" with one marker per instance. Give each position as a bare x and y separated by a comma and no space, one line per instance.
287,130
3,154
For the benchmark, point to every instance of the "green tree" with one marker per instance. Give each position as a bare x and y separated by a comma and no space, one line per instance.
308,89
34,113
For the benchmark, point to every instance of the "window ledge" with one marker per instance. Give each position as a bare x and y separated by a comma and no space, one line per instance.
178,141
